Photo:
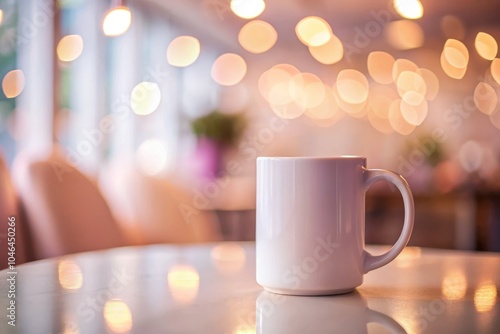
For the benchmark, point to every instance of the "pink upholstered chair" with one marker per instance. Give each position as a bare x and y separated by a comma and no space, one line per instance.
10,212
157,210
65,209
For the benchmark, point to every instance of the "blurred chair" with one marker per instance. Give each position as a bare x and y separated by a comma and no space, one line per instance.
66,212
10,208
157,211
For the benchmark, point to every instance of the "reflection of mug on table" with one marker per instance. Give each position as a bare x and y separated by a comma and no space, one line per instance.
300,314
311,224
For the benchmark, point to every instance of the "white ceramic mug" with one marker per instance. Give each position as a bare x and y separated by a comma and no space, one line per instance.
311,223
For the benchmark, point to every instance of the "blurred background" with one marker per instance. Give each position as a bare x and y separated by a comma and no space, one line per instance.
164,106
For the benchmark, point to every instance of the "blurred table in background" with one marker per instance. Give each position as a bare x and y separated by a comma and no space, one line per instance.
441,221
488,221
237,225
466,221
234,204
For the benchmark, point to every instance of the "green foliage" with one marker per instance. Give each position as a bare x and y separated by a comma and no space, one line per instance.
432,150
223,128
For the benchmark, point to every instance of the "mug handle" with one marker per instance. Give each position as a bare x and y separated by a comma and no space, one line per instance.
372,262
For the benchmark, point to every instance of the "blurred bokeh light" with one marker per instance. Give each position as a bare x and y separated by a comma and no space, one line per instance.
495,70
486,46
228,257
307,90
247,9
404,34
69,275
485,98
431,83
183,51
329,53
410,9
352,86
70,47
454,285
145,98
183,282
152,156
485,297
313,31
380,66
257,36
454,58
229,69
117,316
397,119
117,21
13,83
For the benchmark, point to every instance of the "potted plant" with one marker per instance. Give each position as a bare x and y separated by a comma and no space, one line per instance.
216,132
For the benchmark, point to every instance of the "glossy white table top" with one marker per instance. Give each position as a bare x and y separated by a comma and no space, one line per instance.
212,289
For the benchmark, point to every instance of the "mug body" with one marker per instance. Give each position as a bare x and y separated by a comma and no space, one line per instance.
310,224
